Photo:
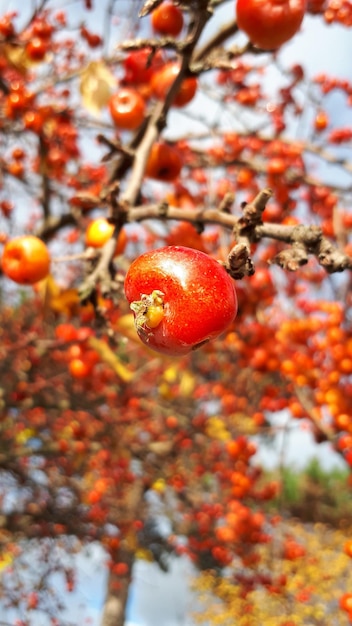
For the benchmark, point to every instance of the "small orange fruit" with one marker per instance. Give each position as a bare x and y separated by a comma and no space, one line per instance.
25,260
99,232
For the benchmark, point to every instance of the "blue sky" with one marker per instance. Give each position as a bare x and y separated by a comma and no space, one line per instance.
156,598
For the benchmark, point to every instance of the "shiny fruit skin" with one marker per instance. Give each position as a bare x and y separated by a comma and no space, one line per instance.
25,260
99,232
167,19
199,297
127,109
164,162
270,23
162,80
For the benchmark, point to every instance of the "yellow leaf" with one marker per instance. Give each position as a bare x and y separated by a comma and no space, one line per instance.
67,302
24,435
159,485
165,391
15,56
96,86
187,384
185,378
56,299
144,555
110,358
216,429
47,290
6,559
171,374
125,325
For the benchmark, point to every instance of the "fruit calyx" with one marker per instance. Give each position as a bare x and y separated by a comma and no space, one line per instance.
149,310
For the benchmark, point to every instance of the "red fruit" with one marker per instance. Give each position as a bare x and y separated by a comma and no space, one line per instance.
99,232
348,457
185,234
164,162
346,602
180,297
120,569
162,80
66,332
25,260
171,421
94,497
16,168
84,333
80,368
272,213
34,121
347,220
32,600
140,65
127,108
6,207
262,284
36,49
56,158
348,549
92,39
293,550
75,351
316,6
321,121
17,101
167,19
276,166
41,28
270,23
18,154
7,29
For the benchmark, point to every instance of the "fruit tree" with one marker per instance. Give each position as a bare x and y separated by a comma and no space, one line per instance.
176,256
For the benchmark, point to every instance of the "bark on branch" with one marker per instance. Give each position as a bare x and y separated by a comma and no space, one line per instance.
304,240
